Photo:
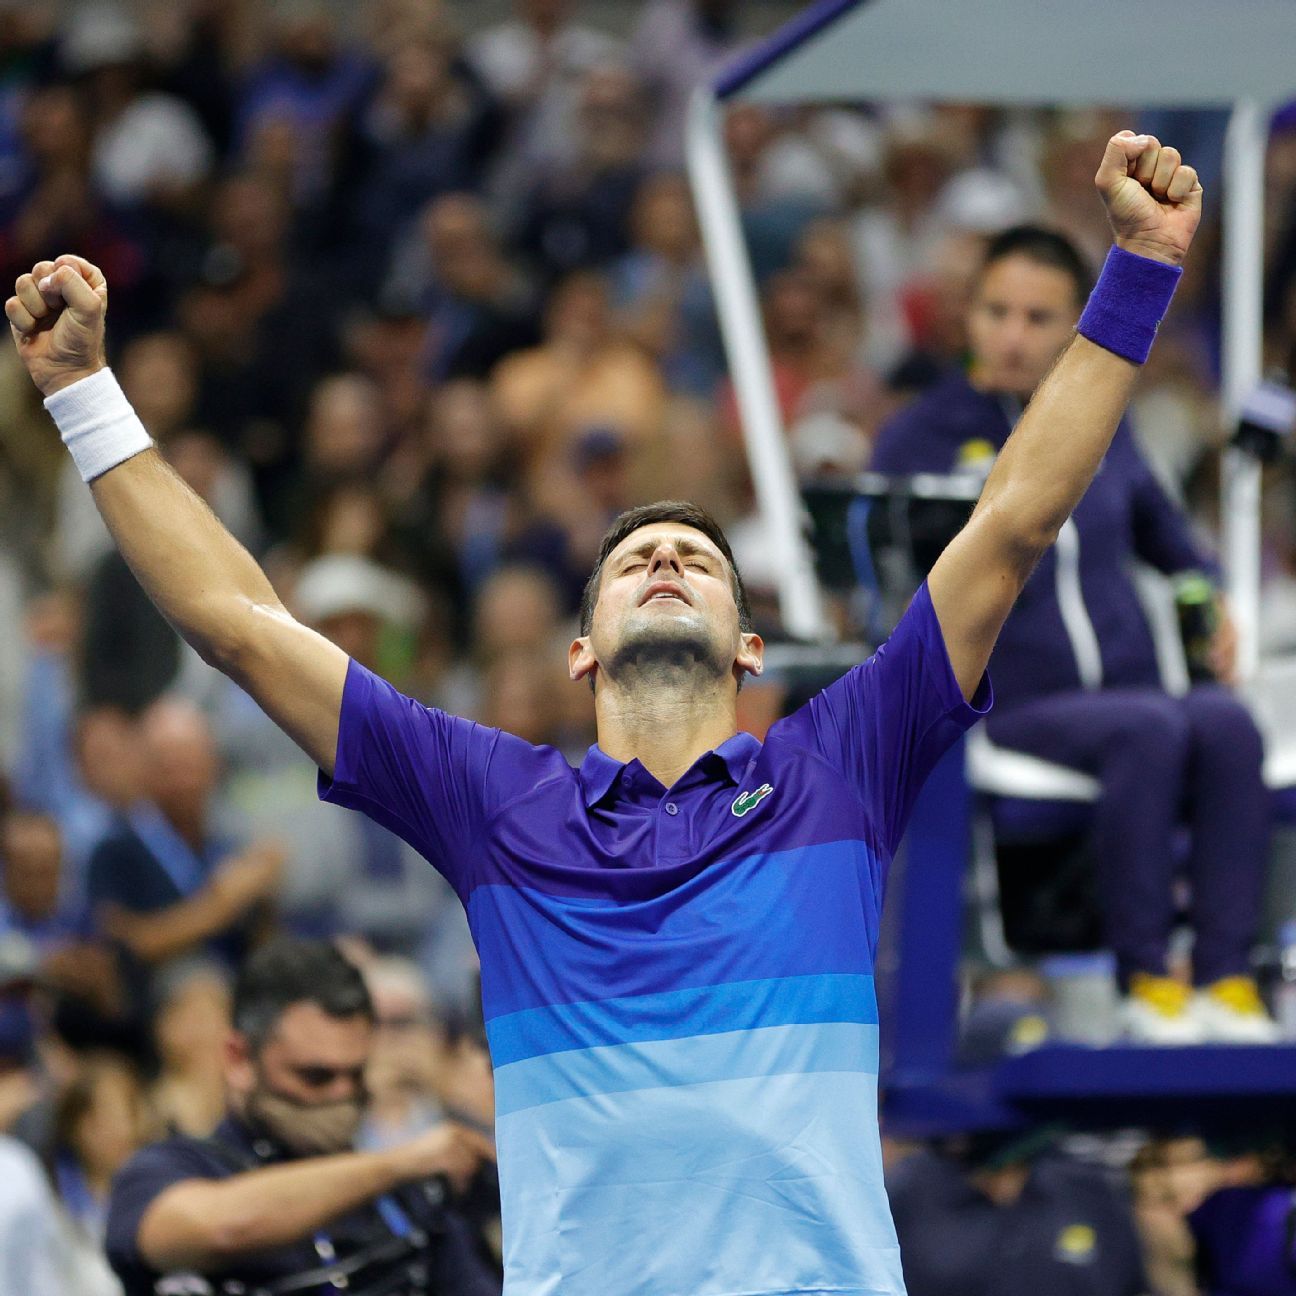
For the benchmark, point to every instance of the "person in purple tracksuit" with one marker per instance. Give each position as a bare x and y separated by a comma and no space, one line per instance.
1075,668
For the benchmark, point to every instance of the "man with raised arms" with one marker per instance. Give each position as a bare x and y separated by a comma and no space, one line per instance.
676,938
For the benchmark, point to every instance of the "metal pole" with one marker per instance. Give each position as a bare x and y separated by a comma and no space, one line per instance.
1243,326
738,305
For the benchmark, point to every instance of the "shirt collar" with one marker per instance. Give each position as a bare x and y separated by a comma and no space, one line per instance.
598,771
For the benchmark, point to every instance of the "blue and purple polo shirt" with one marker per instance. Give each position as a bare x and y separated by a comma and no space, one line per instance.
678,983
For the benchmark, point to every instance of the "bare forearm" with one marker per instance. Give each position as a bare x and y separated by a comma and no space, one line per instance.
1047,464
201,1223
156,937
202,580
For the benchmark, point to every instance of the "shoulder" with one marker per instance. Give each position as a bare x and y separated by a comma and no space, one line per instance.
939,417
171,1161
141,1181
150,1172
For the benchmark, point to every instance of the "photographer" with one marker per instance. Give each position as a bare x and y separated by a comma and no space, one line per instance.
276,1200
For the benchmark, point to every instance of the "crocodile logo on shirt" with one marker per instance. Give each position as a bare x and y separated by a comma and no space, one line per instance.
746,801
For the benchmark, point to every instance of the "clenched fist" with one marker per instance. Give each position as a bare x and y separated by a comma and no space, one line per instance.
57,317
1154,202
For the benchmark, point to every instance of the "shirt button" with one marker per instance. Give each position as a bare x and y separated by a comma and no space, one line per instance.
672,808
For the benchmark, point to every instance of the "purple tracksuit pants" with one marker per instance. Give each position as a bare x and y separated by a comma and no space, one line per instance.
1163,762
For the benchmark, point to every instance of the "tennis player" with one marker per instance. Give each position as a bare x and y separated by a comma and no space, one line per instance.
676,938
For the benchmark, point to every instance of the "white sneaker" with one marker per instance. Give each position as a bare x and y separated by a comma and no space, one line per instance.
1157,1011
1230,1011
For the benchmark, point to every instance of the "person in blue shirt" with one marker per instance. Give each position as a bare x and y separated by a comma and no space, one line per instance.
1076,674
42,924
676,938
165,883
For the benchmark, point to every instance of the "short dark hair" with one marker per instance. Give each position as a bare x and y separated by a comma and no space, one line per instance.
287,971
1046,247
686,514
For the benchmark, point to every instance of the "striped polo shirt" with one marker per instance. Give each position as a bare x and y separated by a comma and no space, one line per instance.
678,982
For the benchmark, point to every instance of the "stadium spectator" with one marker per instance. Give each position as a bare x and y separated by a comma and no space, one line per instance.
676,45
1217,1219
264,326
534,63
576,215
40,910
1003,1215
776,209
100,1120
815,367
81,769
406,1056
278,1192
189,1031
660,289
457,511
310,80
29,1229
429,129
582,375
56,200
479,305
896,239
167,883
1076,671
150,150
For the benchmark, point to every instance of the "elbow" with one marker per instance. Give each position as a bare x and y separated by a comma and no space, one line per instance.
1028,545
1021,536
230,642
221,652
230,1239
182,1231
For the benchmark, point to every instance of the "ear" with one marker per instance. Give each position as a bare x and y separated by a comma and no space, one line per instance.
751,655
580,659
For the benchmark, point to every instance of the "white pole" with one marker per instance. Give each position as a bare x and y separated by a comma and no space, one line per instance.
738,305
1243,326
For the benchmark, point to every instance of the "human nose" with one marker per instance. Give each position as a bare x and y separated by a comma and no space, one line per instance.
665,558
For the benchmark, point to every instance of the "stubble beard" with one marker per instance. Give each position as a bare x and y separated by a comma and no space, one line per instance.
676,658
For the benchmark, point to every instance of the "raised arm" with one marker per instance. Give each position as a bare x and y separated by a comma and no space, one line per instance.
202,580
1154,205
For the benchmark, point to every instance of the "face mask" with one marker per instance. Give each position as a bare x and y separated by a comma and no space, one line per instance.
306,1129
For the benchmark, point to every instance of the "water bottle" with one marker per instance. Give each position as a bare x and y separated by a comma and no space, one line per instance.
1285,994
1197,607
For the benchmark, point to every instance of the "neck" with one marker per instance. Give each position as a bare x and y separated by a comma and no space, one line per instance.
666,728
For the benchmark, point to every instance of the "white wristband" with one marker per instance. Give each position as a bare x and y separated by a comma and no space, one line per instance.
97,424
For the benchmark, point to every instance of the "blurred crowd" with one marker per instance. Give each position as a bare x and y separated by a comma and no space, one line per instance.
417,305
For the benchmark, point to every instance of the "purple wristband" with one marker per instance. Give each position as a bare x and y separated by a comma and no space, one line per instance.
1128,304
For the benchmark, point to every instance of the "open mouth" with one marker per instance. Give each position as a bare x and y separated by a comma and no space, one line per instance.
663,590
